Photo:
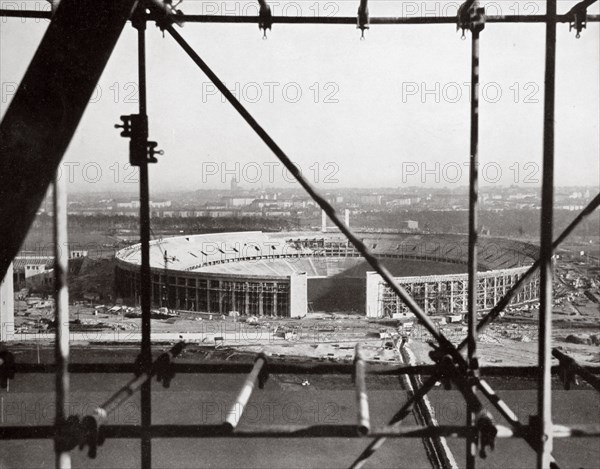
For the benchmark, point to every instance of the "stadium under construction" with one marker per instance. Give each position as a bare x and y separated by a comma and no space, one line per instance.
288,274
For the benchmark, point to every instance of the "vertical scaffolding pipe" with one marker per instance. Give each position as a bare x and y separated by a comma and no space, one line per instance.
61,307
544,411
472,255
362,399
146,352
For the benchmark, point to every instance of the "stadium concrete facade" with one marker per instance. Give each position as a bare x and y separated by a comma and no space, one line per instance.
289,274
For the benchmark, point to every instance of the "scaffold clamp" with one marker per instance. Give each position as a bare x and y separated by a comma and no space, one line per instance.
165,13
445,364
68,433
567,371
470,16
163,366
486,432
141,151
92,435
362,19
578,18
265,19
7,368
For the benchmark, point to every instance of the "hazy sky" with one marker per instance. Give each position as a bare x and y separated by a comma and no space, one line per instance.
391,110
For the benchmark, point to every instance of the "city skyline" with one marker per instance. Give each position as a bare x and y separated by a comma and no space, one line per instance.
358,112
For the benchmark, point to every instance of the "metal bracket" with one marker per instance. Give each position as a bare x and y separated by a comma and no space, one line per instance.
163,366
7,368
470,16
92,435
75,432
567,371
164,13
362,19
265,19
578,17
486,432
67,436
141,151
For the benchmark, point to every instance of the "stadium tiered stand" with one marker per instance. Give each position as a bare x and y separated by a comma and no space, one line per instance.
272,273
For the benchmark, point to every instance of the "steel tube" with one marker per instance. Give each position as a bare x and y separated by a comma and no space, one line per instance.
61,305
394,421
471,450
221,367
134,385
146,275
544,410
392,20
239,405
349,20
298,431
362,398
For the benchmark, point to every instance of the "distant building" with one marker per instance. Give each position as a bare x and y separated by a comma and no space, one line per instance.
163,204
232,201
132,204
77,253
409,225
28,266
370,199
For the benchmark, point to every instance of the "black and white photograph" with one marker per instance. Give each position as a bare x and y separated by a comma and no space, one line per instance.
301,234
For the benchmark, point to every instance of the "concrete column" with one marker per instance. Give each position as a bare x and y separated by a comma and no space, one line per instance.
7,306
197,292
495,290
373,305
260,304
485,291
247,299
220,297
347,217
275,303
323,221
452,299
298,302
426,295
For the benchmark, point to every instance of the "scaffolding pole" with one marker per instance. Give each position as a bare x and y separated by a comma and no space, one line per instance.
325,20
471,443
544,405
61,306
146,275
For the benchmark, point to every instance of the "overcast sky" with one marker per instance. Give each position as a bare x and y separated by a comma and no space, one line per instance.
391,110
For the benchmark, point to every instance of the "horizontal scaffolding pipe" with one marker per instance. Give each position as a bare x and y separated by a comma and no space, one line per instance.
362,399
576,368
239,405
283,369
299,431
350,20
